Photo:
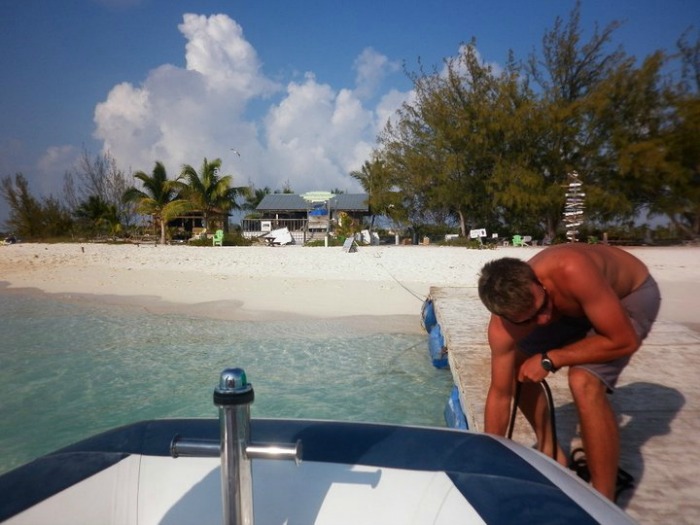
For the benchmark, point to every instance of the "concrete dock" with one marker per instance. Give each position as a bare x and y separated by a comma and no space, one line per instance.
657,401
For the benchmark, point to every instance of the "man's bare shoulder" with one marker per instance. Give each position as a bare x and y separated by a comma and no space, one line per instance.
571,251
562,259
621,270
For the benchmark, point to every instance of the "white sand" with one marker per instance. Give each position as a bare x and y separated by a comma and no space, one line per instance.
282,282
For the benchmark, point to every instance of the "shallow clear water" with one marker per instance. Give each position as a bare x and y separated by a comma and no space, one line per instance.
70,370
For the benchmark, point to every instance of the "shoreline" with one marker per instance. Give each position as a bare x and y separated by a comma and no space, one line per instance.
224,310
382,285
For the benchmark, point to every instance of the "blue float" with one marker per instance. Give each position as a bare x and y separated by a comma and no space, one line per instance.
437,348
427,315
454,415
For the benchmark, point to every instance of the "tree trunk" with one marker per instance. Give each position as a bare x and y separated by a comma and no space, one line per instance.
462,224
162,231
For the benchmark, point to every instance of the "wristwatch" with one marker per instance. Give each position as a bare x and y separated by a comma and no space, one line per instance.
547,363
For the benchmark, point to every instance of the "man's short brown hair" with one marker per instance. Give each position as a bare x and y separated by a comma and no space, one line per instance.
504,286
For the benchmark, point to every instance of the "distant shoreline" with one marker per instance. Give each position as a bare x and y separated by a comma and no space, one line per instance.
265,283
223,311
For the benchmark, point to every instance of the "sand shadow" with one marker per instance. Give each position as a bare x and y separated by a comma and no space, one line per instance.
644,410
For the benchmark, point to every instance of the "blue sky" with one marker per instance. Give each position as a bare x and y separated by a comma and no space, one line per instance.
300,89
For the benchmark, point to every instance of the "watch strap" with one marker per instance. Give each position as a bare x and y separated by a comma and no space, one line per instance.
551,367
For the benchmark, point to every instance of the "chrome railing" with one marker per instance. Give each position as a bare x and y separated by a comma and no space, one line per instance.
233,396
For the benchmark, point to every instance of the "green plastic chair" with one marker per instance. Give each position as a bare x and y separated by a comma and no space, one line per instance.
218,239
518,240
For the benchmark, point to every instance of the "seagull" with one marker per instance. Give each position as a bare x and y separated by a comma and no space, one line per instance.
235,151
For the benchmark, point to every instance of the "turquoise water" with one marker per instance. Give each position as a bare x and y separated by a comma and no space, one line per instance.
69,370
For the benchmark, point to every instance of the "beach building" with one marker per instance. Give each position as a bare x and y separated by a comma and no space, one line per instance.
192,222
307,215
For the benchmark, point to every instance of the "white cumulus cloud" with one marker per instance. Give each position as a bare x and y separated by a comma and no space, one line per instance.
217,49
310,137
371,68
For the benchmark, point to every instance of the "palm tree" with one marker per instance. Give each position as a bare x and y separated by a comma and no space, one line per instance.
160,197
209,192
255,197
377,180
99,214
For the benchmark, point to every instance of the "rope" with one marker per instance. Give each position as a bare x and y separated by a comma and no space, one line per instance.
399,282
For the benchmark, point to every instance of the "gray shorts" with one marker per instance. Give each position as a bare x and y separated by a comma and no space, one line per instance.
642,306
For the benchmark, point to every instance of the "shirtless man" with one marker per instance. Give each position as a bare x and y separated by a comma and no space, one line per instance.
586,307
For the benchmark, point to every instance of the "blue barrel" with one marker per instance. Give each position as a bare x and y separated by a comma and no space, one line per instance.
437,348
454,415
427,313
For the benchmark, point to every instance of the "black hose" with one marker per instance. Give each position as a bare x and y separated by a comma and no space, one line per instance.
552,416
550,407
514,410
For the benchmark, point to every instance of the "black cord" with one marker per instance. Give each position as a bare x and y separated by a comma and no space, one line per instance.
514,410
577,461
552,416
550,407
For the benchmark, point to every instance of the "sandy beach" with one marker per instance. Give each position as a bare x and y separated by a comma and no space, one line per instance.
382,285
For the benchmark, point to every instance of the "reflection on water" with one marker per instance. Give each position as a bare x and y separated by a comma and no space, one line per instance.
70,370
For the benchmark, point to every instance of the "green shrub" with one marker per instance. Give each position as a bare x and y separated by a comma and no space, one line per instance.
472,244
332,241
230,239
236,238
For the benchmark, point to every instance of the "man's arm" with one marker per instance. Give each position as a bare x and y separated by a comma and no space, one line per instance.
614,334
500,394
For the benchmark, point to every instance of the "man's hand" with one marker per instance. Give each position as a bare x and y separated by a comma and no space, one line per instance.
531,370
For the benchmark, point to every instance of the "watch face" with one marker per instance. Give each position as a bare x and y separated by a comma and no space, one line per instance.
547,364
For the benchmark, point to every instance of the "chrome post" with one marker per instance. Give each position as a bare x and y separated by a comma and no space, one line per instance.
233,396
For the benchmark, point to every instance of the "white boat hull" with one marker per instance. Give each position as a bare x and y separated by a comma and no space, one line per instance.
350,473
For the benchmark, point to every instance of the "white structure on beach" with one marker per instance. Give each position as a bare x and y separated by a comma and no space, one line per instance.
574,207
